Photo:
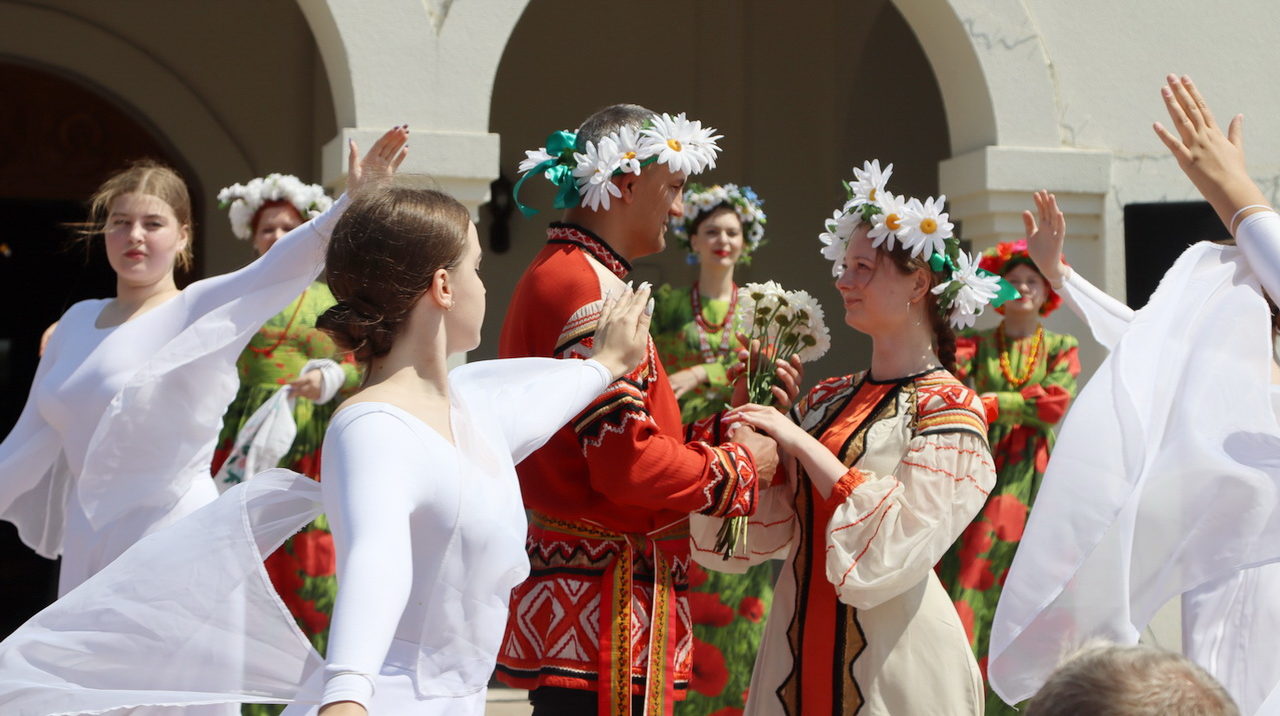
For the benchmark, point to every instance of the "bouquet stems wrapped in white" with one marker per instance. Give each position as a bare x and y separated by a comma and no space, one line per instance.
786,323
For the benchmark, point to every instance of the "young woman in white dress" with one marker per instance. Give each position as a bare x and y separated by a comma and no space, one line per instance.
1165,479
117,434
421,493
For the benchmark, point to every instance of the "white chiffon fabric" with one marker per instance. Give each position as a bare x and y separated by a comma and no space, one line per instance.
116,438
430,539
166,624
1166,475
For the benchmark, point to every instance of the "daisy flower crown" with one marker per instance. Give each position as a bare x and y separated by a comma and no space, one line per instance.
583,174
244,200
700,200
925,231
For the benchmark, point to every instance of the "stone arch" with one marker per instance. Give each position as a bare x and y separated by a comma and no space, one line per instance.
138,81
993,69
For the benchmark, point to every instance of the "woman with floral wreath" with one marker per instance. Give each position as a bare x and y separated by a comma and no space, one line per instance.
288,353
1026,377
694,329
887,467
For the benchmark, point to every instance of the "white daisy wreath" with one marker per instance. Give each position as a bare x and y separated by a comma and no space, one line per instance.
583,174
925,230
244,200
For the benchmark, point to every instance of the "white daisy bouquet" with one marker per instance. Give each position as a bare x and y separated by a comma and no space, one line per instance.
787,323
244,200
583,174
925,230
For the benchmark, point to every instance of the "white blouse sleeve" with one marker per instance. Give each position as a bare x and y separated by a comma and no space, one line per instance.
1259,237
770,531
889,530
531,398
31,491
1105,315
294,262
369,495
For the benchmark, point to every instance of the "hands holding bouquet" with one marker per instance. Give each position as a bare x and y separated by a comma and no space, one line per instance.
785,330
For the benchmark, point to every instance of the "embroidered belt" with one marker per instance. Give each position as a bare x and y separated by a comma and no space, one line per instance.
615,645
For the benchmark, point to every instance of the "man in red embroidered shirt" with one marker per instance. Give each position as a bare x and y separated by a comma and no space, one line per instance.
602,624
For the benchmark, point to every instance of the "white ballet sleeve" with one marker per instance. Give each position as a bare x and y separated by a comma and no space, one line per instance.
369,495
1164,476
1106,316
30,456
297,258
890,530
194,370
1259,238
532,398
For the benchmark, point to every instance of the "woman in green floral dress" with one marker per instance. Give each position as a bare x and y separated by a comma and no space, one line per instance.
695,331
1026,377
302,570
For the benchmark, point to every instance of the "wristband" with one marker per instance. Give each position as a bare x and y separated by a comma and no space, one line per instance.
1066,274
1231,226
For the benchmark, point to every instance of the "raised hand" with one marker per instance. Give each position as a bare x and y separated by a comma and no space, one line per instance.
1214,162
622,331
387,154
1045,238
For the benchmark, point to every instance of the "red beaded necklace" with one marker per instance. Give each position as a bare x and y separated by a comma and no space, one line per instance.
705,327
1006,369
270,351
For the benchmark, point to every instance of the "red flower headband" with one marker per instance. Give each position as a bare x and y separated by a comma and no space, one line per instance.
1007,254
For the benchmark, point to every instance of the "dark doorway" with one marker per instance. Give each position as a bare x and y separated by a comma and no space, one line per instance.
62,140
1155,235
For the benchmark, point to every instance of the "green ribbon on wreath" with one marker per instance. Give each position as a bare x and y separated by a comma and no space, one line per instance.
560,145
938,262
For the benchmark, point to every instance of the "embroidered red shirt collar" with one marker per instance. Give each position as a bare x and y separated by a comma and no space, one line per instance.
561,233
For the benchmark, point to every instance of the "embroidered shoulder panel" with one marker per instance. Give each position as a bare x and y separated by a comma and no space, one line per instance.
576,339
945,405
826,400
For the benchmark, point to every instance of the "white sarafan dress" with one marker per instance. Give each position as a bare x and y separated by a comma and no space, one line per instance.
1165,481
118,432
430,539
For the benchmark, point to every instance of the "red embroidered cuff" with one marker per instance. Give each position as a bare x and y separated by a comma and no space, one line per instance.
845,487
732,484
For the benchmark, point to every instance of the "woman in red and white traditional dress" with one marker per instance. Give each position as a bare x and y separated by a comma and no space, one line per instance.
890,465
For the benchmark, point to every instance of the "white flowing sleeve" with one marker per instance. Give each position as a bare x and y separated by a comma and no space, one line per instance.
368,494
33,478
531,398
186,616
889,530
1105,315
293,261
195,370
1259,237
770,531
